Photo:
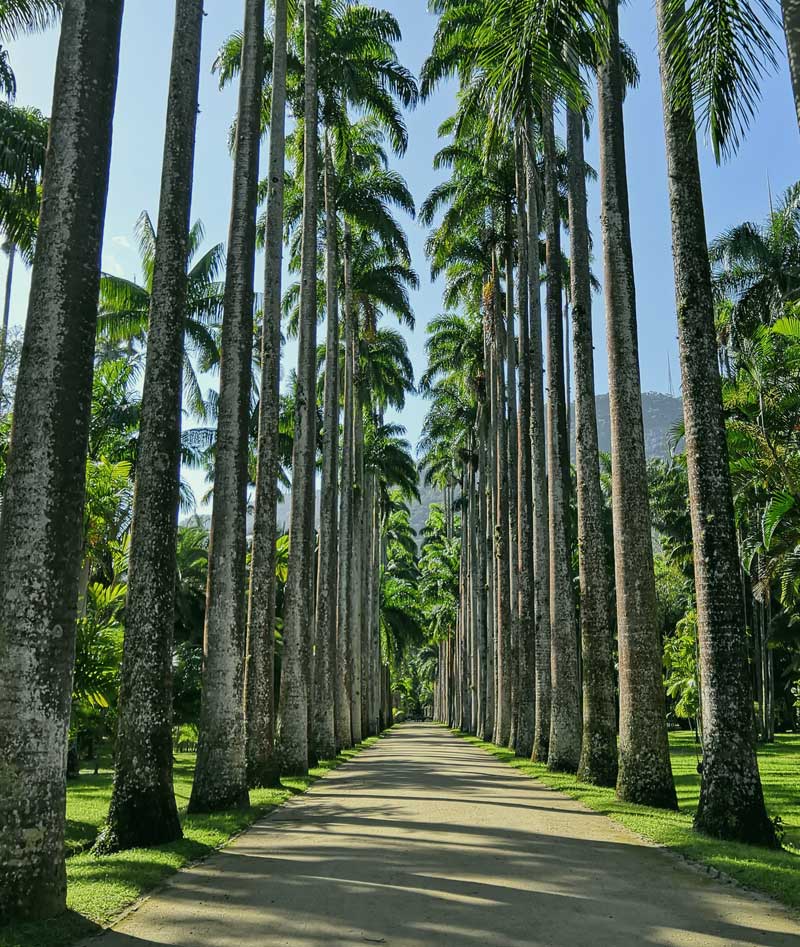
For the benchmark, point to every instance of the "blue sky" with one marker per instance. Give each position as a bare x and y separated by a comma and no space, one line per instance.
737,191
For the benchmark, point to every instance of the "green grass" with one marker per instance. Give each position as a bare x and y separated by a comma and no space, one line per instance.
100,887
775,873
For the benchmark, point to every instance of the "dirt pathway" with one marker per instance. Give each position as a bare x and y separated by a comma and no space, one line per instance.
424,839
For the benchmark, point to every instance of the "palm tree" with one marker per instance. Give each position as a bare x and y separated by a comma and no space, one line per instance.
757,267
357,65
143,810
125,306
323,731
598,763
565,722
645,774
298,614
221,774
262,763
731,799
41,529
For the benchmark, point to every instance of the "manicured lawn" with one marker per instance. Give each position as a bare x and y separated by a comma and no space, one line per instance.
776,873
98,888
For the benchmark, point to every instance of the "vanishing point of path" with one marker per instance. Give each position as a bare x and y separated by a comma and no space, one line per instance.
425,839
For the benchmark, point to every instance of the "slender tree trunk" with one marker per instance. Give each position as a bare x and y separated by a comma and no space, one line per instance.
482,587
323,732
344,682
11,252
565,722
262,760
791,27
365,585
645,775
220,780
598,762
526,646
143,812
541,516
41,530
490,499
513,475
356,574
502,723
298,611
731,799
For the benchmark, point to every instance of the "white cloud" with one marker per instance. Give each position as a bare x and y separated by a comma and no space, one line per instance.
112,265
122,241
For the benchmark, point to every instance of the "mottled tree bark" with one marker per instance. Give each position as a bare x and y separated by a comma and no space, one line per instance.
541,516
513,475
259,704
598,763
731,799
344,736
502,723
565,721
526,645
645,775
220,780
323,734
481,579
791,27
298,611
490,499
42,524
143,810
356,571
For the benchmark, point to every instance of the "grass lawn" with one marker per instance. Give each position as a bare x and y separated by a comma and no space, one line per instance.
776,873
100,887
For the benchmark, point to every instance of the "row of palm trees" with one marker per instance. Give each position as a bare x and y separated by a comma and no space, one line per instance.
519,668
330,60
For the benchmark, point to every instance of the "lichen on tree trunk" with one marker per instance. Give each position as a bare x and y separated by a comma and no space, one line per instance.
565,720
41,531
731,798
645,774
220,780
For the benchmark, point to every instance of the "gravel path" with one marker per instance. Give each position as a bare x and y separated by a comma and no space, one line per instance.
425,839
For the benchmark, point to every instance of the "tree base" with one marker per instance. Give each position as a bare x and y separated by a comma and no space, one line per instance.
139,818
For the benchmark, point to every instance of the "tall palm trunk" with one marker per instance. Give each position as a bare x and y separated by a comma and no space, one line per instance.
365,585
503,620
598,763
731,799
220,780
565,722
11,252
356,569
323,731
42,525
259,704
791,27
482,588
645,775
344,684
541,516
490,499
526,653
513,466
298,613
143,810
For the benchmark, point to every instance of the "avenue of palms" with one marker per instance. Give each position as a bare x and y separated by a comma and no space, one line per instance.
572,606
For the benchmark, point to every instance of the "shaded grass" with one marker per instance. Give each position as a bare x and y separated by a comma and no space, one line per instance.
100,887
775,873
